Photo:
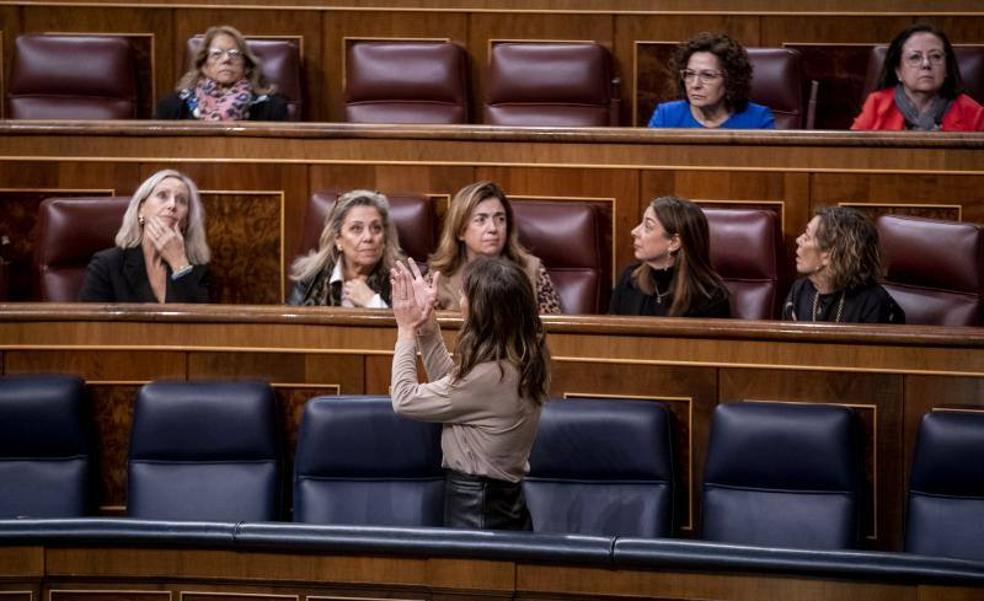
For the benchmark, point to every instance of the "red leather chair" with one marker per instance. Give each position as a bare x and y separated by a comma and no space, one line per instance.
281,60
406,82
778,84
70,231
744,252
412,213
551,84
969,58
569,237
72,77
934,269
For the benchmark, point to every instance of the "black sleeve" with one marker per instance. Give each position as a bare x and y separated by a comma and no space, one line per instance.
192,287
719,305
615,304
274,108
882,309
97,287
170,107
297,293
789,307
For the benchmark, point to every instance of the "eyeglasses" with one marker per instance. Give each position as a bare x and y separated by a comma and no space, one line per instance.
216,54
704,76
916,59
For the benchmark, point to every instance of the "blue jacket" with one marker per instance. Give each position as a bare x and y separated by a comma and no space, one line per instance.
677,114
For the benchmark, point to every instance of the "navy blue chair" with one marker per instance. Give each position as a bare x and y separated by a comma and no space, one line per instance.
45,448
602,467
206,450
946,486
782,475
359,463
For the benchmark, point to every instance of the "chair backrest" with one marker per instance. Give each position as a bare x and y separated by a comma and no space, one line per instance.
205,450
970,59
45,448
412,213
782,475
569,237
946,486
281,64
934,269
360,463
602,467
406,82
745,253
72,77
69,232
550,84
777,83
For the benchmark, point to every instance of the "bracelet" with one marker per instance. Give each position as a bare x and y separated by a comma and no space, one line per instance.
181,272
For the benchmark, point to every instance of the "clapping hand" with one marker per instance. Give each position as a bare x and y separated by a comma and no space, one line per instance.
414,298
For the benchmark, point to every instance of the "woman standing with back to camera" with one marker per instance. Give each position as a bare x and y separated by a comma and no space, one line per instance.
488,397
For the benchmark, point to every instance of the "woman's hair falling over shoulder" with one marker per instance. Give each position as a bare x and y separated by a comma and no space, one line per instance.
502,323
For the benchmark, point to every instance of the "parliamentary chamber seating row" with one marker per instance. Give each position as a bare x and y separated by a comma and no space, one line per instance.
776,475
526,83
935,284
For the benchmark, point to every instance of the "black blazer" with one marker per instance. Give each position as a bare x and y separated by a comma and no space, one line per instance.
272,107
118,275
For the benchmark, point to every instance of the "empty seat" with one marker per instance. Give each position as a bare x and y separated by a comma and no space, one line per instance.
281,65
602,467
744,252
782,475
358,462
72,77
45,448
70,231
946,486
570,239
934,269
412,213
406,82
205,450
970,60
551,84
777,83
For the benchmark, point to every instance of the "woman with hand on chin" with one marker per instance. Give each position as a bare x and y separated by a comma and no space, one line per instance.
715,81
488,397
673,277
840,258
161,254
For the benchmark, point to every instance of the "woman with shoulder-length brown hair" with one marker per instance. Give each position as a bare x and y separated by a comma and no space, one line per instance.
489,396
225,83
840,259
480,223
673,277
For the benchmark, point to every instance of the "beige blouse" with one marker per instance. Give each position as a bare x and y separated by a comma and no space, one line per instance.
449,289
488,429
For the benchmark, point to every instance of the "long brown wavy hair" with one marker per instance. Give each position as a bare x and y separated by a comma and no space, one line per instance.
693,277
852,241
503,324
451,253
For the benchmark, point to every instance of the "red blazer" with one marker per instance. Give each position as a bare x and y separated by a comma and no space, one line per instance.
879,112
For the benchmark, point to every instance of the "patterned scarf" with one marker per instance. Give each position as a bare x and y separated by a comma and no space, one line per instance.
211,103
928,120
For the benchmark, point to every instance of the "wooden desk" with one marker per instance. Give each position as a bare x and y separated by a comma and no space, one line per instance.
889,375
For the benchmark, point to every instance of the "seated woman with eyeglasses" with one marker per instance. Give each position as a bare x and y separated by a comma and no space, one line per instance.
918,87
715,81
225,83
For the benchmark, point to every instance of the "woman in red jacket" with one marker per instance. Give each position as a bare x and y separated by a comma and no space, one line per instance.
918,87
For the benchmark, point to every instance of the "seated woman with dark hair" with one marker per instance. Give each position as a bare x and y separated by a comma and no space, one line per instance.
225,83
840,257
161,254
919,87
715,79
674,276
358,247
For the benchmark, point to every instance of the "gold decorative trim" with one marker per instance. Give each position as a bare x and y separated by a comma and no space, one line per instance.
181,595
780,203
283,210
346,40
69,591
874,450
635,74
608,199
957,410
959,208
691,494
335,598
295,385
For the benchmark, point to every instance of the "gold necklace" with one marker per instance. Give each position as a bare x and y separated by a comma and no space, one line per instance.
816,306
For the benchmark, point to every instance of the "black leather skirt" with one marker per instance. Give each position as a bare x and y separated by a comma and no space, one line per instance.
482,503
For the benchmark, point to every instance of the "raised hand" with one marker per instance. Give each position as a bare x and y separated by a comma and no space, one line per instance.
167,241
424,289
409,315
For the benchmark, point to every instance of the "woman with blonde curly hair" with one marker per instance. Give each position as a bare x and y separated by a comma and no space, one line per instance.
350,268
480,223
840,258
